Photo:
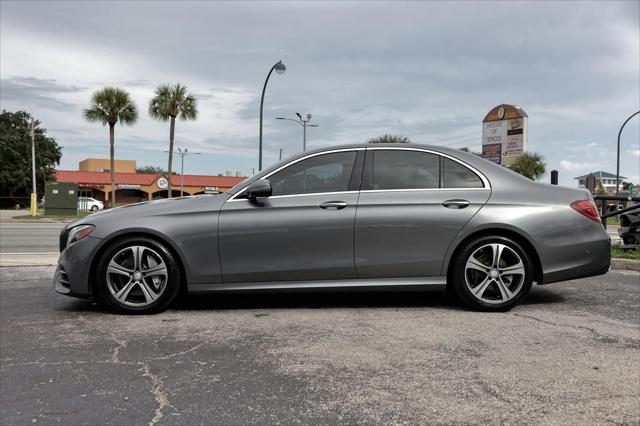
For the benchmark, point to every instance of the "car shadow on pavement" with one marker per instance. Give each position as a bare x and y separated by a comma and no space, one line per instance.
318,300
543,296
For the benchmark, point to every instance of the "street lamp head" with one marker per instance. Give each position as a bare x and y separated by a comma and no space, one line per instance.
299,116
308,116
280,68
280,118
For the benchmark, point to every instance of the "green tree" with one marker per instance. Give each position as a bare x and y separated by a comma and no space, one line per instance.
390,139
110,106
531,165
626,185
466,149
171,102
15,154
150,170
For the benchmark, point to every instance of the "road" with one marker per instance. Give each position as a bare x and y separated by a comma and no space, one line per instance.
569,355
29,237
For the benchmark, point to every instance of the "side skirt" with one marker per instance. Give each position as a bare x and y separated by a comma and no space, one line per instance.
353,284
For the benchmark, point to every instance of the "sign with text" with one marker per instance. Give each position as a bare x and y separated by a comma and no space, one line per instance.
504,125
492,152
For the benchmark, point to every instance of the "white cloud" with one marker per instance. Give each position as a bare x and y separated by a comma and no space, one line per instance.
573,166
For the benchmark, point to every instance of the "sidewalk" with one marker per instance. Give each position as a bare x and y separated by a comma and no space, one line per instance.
9,216
29,259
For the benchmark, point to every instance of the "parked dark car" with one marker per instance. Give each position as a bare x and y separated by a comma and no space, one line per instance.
360,216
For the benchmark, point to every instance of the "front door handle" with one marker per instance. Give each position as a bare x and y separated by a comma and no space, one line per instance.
455,204
333,205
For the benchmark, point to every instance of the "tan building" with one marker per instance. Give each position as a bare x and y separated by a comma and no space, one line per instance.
132,187
104,165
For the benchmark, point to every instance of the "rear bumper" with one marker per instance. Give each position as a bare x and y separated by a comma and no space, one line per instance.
591,259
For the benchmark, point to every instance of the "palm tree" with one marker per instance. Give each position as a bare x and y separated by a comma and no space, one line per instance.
170,102
529,165
109,106
390,139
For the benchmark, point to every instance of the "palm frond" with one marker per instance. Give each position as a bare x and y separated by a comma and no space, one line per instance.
110,105
173,101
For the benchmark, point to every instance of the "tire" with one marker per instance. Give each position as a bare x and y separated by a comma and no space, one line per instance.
94,208
142,272
504,286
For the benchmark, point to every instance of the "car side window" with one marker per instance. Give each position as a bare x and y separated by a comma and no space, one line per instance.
455,175
405,169
321,173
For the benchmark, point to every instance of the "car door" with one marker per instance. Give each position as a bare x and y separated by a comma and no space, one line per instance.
412,204
304,231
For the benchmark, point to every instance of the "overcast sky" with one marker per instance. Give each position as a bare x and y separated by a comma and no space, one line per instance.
426,70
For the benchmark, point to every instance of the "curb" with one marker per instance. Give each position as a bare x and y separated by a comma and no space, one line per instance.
625,264
14,221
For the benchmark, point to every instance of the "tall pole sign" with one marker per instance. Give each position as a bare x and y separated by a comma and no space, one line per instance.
504,134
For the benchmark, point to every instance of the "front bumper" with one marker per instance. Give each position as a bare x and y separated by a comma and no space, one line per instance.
72,276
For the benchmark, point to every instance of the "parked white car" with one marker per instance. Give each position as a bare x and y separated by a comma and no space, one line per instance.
89,204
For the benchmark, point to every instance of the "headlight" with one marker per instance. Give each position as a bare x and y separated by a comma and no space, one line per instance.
79,232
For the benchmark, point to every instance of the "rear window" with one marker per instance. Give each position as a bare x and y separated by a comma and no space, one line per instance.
404,169
455,175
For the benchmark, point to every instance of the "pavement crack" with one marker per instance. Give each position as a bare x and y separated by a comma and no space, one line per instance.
115,353
173,355
598,335
158,392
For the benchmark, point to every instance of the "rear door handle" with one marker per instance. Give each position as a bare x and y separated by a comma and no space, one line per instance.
455,204
333,205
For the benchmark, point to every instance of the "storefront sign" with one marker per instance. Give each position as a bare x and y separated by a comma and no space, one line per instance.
162,183
128,186
211,190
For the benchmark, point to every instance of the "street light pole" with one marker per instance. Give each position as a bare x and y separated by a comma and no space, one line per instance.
183,153
618,158
280,69
34,201
304,123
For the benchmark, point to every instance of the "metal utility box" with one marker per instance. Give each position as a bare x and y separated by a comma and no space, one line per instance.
61,198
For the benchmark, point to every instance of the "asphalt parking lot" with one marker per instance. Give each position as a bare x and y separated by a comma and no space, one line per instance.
570,355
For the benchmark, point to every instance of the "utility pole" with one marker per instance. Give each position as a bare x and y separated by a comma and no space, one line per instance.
34,201
183,153
280,158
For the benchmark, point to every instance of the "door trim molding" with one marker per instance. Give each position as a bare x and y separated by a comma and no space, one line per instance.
321,284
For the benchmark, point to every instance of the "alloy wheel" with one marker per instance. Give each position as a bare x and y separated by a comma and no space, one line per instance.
136,276
494,273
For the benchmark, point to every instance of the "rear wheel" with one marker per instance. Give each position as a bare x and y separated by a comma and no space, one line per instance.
94,208
138,275
492,274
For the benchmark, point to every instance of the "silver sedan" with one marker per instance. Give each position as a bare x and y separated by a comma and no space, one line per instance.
358,216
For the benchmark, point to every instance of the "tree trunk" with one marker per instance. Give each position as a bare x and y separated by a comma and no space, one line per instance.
113,163
172,132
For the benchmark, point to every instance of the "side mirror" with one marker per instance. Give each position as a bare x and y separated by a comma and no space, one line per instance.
259,188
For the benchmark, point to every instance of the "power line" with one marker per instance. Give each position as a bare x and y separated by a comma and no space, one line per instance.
462,141
456,137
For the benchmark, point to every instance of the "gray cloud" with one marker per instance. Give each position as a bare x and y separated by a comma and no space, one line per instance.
428,70
34,91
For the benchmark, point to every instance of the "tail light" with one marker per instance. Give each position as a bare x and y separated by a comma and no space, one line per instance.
587,208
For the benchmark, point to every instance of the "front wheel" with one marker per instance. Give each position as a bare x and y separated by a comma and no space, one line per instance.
94,208
138,275
492,274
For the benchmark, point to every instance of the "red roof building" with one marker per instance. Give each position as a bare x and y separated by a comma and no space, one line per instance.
136,187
